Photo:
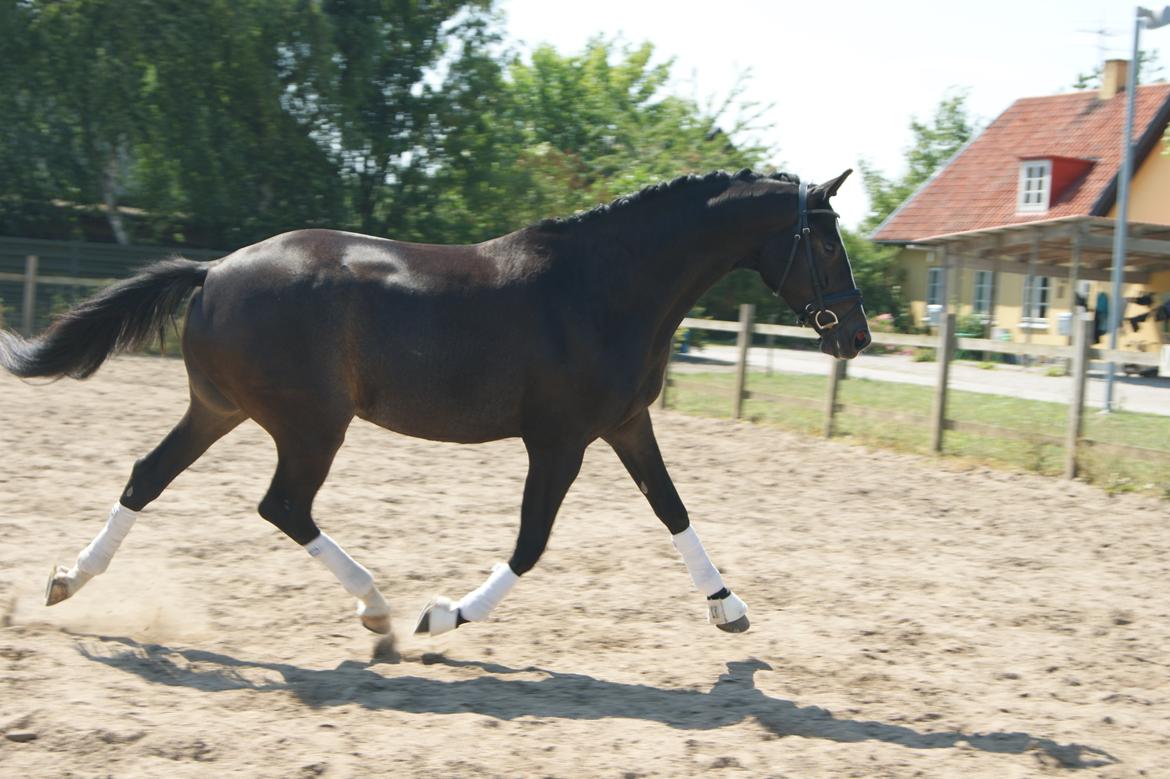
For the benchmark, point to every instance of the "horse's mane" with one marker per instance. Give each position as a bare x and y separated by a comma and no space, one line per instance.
654,191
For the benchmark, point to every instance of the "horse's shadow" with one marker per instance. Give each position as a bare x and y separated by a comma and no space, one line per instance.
733,698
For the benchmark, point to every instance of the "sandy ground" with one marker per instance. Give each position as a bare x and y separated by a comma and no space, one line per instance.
909,618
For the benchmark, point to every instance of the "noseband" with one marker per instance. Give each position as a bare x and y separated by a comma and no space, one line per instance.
817,312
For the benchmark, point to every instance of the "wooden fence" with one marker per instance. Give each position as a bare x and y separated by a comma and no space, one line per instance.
34,272
946,344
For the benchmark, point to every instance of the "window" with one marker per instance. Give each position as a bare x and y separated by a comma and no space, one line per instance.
1036,295
984,286
1035,185
935,286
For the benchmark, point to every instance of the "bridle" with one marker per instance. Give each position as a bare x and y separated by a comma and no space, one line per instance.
817,312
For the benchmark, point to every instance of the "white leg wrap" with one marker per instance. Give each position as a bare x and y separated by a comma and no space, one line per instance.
95,558
478,604
353,576
703,572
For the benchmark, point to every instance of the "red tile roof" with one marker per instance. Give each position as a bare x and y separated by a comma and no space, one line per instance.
977,190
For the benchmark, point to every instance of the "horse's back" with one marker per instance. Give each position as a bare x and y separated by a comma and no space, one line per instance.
431,341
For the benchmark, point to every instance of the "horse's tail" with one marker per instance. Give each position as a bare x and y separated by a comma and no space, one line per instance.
122,316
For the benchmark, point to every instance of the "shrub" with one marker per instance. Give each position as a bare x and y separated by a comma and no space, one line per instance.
971,326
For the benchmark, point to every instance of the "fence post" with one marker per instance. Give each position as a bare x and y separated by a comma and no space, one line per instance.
743,341
666,377
836,373
946,352
27,314
1082,340
770,344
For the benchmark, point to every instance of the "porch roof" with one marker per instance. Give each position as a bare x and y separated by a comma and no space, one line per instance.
1081,246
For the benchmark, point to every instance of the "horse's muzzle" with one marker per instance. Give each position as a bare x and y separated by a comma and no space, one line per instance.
845,344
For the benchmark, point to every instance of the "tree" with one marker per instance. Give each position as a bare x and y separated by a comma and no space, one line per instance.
224,122
227,121
77,67
520,140
227,141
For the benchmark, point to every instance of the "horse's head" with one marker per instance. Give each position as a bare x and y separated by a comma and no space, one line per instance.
806,264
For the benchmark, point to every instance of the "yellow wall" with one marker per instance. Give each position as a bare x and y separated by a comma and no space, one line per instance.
913,263
1149,190
1007,298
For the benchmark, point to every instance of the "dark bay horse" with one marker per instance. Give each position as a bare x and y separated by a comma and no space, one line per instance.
558,333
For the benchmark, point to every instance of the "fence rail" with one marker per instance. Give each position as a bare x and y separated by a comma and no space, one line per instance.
34,273
1079,355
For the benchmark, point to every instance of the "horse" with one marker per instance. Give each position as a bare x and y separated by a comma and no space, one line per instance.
558,333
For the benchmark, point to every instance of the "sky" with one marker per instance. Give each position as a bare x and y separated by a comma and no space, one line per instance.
845,79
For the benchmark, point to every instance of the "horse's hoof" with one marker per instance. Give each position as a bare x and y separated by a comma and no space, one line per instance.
440,616
736,626
728,613
378,623
58,588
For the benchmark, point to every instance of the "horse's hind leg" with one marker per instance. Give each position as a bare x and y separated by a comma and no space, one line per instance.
199,428
304,457
551,471
637,448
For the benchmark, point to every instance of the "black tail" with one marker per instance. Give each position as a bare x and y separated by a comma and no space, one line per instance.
122,316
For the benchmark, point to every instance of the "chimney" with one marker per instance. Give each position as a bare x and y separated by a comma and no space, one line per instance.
1113,78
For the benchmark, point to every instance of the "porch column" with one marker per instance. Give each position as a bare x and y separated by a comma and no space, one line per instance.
1074,274
955,292
1029,283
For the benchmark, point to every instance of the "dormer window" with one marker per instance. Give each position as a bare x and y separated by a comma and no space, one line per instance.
1035,186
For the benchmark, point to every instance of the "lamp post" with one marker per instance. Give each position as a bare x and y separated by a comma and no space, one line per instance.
1148,19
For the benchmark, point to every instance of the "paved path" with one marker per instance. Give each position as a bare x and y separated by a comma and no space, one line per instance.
1151,396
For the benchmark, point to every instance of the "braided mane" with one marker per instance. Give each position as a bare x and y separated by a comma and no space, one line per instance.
654,191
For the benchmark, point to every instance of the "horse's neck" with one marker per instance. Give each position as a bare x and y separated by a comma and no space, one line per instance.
674,264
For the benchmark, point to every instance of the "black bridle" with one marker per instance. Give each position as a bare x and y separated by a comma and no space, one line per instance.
817,311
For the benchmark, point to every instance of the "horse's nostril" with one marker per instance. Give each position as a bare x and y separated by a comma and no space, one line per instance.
861,339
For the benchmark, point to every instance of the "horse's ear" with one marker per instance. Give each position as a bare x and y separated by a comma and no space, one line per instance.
830,187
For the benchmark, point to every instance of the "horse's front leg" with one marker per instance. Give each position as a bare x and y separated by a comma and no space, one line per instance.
551,470
637,448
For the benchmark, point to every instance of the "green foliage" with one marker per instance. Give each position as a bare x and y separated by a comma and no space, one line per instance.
520,140
971,326
221,123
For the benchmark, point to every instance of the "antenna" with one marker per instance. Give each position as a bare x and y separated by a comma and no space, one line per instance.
1103,35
